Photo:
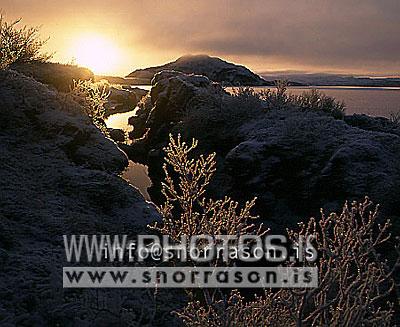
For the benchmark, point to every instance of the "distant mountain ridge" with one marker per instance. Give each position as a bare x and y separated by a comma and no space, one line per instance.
325,79
214,68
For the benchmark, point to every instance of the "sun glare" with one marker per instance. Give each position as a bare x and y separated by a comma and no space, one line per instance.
97,53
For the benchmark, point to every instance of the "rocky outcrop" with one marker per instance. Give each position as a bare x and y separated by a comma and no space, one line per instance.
123,100
214,68
375,124
163,111
294,161
297,162
118,135
58,176
172,93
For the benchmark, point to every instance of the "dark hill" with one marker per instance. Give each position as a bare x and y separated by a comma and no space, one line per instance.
214,68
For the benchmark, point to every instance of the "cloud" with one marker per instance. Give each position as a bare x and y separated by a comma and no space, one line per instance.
353,35
326,33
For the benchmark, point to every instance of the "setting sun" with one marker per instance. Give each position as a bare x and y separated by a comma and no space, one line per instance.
97,53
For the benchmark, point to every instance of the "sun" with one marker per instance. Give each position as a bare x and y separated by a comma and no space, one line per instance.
97,53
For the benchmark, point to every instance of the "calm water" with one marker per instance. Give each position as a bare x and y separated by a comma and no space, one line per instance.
136,174
120,121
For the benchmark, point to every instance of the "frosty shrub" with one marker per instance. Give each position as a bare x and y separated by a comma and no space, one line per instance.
92,96
247,99
355,282
19,44
394,117
317,101
279,98
186,210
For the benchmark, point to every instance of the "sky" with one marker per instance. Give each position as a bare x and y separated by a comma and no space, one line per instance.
340,36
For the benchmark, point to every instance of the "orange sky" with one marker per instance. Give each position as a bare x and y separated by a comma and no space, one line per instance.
350,36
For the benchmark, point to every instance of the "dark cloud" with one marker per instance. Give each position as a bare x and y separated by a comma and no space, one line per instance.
327,33
353,35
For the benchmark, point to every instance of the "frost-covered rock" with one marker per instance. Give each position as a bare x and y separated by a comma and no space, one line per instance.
118,135
172,93
377,124
29,105
123,100
297,162
57,176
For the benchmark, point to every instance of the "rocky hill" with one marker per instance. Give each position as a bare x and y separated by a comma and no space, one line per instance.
215,69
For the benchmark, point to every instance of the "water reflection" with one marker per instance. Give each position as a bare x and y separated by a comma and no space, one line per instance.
120,121
136,174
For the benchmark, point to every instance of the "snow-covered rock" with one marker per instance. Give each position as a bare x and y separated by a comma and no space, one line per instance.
368,123
123,100
297,162
58,176
172,93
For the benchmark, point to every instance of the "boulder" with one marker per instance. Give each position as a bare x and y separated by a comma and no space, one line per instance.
27,104
123,100
377,124
118,135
